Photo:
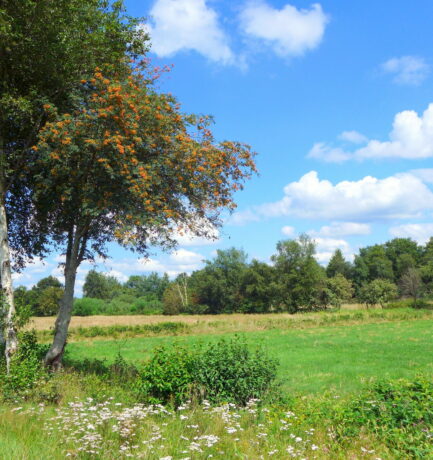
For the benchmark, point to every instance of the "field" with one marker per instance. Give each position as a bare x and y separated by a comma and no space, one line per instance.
325,360
315,359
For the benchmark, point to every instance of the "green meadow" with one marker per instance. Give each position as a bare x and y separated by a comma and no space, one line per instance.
312,360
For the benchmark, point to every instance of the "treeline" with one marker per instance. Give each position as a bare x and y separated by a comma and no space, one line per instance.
294,281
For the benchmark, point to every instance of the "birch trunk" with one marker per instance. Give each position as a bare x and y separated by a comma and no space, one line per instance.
9,333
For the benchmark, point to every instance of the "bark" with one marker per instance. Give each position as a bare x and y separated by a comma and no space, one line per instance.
54,356
8,331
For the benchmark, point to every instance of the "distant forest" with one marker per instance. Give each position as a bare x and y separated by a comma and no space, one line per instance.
293,282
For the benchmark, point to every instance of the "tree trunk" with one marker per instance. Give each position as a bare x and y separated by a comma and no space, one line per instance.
54,356
8,331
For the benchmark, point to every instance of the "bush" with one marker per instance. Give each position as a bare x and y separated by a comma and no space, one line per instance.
408,303
400,412
147,306
88,306
169,376
227,371
26,369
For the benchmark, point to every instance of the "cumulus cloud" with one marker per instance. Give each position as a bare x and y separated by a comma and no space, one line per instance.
425,174
407,70
411,137
418,232
353,137
369,199
325,248
288,31
288,230
188,25
338,229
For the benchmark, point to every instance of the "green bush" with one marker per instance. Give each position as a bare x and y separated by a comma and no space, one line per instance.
147,306
227,371
169,376
26,371
408,303
88,306
400,412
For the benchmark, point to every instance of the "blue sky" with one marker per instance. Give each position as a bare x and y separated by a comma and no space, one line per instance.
334,97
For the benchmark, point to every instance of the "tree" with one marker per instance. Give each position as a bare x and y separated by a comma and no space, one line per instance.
337,290
152,285
338,265
403,253
299,275
258,287
46,47
219,284
377,292
411,284
101,286
128,166
372,263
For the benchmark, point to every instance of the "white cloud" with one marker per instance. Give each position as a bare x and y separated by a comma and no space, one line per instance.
243,217
186,238
418,232
184,256
353,136
325,248
411,138
426,174
289,31
407,70
288,230
400,196
338,229
184,25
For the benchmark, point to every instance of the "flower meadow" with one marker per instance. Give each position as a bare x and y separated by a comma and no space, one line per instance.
108,429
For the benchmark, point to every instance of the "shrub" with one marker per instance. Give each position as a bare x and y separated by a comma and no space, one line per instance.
88,306
147,306
26,369
169,376
227,371
400,412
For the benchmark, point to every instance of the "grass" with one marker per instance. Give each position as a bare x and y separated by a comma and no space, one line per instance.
149,326
326,359
312,360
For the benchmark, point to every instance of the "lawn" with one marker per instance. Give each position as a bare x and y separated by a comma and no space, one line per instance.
312,360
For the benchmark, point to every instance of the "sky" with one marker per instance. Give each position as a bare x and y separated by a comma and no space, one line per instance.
335,97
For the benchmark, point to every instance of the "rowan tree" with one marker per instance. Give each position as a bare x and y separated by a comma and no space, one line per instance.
46,47
128,166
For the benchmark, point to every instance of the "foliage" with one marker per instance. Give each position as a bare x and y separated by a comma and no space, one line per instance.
338,265
43,298
377,292
169,376
258,286
227,371
26,370
46,47
337,290
87,306
299,274
400,412
100,286
218,284
411,284
152,285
